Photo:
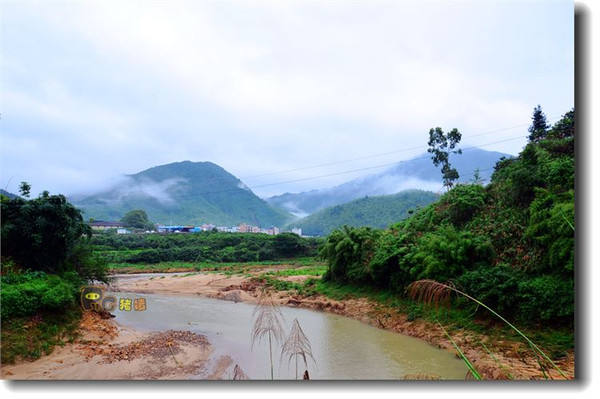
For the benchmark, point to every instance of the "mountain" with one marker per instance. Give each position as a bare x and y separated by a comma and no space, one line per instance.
183,193
418,173
7,194
379,212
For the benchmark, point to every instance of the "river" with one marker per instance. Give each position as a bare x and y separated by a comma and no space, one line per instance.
343,348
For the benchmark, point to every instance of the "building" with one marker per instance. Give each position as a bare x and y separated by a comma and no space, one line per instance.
102,225
246,228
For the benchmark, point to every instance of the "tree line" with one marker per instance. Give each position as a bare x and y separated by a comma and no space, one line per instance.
511,244
208,246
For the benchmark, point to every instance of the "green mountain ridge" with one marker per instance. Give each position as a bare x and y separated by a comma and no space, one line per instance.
377,211
184,193
416,173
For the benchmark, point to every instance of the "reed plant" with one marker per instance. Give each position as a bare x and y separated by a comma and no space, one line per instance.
436,293
268,323
297,345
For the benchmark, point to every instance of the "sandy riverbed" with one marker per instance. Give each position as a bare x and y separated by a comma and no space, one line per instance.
107,351
99,353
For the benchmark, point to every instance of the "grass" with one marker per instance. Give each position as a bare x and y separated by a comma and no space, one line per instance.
268,322
297,345
316,270
29,338
312,266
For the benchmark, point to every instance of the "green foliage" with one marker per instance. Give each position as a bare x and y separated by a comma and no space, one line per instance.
28,293
441,145
539,126
446,254
28,338
201,247
547,298
511,244
137,218
462,203
199,192
41,234
496,286
552,228
377,212
348,251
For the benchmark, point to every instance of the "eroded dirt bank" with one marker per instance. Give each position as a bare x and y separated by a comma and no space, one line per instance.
513,360
106,351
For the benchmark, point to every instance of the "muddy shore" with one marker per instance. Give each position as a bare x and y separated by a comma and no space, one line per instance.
512,356
109,351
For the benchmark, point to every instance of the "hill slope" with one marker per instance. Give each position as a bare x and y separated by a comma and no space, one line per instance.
183,193
418,173
378,212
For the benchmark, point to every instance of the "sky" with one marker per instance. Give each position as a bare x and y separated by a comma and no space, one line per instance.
286,96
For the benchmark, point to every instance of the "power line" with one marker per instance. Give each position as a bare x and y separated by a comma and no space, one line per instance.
214,192
381,154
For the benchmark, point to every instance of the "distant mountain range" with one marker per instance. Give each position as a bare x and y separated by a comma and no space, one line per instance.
378,212
418,173
195,193
183,193
7,194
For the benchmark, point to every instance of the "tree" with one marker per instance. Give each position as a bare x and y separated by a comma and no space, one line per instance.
441,146
539,126
25,189
42,233
565,127
137,218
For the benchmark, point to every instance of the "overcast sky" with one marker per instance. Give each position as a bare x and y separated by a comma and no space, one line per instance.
269,91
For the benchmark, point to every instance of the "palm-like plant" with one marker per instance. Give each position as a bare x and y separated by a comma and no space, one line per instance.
297,344
268,323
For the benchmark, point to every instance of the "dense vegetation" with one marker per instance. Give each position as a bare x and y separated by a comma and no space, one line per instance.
379,212
201,247
510,244
46,258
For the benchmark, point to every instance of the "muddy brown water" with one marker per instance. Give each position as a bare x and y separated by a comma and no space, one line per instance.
343,348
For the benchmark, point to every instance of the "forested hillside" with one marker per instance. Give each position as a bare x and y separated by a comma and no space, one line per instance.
417,173
184,193
510,244
379,212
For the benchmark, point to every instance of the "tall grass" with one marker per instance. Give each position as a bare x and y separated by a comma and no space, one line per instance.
436,293
268,323
297,344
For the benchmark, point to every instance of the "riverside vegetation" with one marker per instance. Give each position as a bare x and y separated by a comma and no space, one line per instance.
509,244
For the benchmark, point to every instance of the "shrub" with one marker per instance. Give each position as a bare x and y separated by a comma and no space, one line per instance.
547,298
462,203
29,293
495,286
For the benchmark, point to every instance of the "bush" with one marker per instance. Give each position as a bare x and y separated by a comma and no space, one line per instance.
496,286
348,252
446,254
547,298
462,203
26,294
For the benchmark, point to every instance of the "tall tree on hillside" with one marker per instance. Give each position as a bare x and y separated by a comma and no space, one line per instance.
539,126
441,145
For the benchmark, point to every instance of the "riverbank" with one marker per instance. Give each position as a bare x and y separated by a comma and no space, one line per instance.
107,351
510,360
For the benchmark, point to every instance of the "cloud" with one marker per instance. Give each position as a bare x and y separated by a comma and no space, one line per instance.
94,90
